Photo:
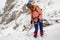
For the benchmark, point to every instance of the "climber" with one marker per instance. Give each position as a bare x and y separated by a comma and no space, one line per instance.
36,18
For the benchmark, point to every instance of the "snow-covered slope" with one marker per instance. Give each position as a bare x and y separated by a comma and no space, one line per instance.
51,33
18,17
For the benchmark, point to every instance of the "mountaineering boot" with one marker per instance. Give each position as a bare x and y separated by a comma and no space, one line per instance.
35,34
41,33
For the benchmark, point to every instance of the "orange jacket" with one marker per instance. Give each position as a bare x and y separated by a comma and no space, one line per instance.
36,14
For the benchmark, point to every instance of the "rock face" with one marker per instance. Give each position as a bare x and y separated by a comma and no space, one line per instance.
11,10
9,13
7,10
7,16
8,5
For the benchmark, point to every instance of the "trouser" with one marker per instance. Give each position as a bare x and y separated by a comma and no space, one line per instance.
40,23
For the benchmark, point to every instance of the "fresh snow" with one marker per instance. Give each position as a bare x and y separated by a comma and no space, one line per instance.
51,32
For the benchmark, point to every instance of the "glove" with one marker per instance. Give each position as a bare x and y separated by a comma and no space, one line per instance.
31,22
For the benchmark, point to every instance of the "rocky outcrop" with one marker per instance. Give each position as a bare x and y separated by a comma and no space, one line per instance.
9,11
8,5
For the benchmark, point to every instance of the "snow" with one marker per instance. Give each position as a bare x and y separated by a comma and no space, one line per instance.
2,3
51,32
